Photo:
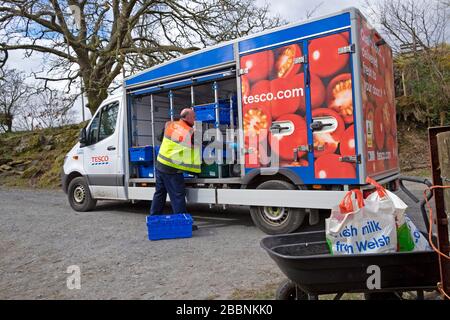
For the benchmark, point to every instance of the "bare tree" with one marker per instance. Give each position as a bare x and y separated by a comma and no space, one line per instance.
46,108
418,32
13,95
415,24
111,36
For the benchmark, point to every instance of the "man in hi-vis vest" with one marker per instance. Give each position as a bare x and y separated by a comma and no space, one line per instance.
177,154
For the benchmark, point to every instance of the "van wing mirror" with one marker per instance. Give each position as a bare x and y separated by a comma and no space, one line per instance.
83,137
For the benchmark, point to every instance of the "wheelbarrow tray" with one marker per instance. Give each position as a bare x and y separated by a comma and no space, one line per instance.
305,259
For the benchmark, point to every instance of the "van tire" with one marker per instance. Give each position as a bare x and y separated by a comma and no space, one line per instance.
80,198
277,220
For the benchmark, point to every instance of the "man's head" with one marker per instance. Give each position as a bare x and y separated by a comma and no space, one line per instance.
188,115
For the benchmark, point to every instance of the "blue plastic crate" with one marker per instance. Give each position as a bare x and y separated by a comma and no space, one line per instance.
146,171
170,226
207,113
141,154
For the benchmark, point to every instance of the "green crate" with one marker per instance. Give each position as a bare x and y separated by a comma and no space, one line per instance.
212,171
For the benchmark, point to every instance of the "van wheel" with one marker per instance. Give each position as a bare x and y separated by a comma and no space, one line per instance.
80,198
277,220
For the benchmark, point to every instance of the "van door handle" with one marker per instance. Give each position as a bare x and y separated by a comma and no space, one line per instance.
111,148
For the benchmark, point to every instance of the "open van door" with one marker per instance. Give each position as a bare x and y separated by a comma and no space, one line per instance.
101,152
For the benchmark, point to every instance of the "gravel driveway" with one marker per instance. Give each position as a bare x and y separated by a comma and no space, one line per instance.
41,236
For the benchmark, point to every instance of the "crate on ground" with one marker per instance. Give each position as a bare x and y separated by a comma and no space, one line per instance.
170,226
141,155
146,171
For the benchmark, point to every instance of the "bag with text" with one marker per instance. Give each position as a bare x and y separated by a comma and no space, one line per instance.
420,241
352,229
384,201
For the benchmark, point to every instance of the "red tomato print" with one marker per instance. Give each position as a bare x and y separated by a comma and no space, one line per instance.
284,65
323,55
287,143
317,91
256,120
259,65
379,128
285,105
328,166
347,145
327,141
256,157
339,93
245,86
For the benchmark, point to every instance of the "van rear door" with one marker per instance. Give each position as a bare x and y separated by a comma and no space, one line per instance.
332,107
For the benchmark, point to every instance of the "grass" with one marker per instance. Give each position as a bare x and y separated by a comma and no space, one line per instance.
43,151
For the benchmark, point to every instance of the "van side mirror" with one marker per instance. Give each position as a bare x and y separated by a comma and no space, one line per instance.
83,138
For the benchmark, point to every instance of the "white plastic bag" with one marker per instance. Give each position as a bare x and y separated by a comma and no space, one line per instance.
383,201
420,242
354,229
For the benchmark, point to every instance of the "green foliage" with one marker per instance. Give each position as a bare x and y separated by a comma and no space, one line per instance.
423,86
38,165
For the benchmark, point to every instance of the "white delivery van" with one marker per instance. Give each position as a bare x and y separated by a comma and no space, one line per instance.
318,96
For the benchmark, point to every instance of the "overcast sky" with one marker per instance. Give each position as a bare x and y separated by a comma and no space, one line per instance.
290,10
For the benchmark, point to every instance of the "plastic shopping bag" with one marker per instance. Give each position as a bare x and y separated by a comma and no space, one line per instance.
352,229
385,202
420,242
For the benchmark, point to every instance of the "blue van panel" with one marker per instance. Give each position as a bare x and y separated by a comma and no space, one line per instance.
300,31
194,62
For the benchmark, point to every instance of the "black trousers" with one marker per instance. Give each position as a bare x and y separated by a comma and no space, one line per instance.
172,184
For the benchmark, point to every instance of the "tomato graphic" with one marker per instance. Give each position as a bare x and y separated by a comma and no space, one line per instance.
346,36
323,54
287,143
390,148
317,91
300,163
387,118
328,166
379,128
347,145
245,86
259,65
287,99
339,93
284,65
328,141
379,166
256,157
258,94
256,120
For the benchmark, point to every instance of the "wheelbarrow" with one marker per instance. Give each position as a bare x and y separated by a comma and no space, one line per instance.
312,271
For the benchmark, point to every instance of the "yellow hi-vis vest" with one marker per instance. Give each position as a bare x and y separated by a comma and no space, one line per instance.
176,150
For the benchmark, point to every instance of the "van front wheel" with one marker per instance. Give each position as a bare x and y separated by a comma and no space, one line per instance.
277,220
80,198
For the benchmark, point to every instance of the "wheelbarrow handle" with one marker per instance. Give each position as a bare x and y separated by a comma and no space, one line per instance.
417,180
414,198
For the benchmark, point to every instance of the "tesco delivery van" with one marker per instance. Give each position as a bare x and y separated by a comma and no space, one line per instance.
303,112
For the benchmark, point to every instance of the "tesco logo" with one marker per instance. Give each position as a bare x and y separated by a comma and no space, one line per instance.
100,159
